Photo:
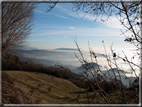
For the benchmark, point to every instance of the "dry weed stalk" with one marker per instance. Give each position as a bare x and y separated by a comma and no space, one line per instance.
123,94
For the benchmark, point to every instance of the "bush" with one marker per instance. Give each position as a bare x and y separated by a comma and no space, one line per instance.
94,84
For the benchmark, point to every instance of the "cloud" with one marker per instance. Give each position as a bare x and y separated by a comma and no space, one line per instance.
68,12
65,37
43,26
38,40
100,55
40,11
71,27
61,8
23,47
54,32
77,31
61,16
116,71
114,23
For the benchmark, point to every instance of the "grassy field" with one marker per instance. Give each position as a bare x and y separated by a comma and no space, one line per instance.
46,89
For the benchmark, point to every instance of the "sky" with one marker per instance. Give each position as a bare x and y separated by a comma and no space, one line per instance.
61,25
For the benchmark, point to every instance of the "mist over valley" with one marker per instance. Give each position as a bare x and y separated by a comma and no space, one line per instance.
66,57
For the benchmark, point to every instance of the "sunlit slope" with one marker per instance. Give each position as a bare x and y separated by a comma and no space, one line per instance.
44,88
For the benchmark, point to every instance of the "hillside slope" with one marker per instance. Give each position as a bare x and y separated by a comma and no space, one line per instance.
21,87
40,88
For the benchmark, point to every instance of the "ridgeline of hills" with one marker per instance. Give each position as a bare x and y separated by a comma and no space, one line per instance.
72,49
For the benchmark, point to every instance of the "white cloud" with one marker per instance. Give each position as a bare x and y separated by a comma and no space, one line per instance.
61,8
66,11
35,40
74,14
78,31
114,23
53,33
65,37
61,16
42,12
71,27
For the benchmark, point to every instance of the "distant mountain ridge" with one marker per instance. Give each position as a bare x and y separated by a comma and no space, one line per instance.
65,49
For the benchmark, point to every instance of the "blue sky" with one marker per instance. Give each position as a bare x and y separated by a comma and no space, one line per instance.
58,28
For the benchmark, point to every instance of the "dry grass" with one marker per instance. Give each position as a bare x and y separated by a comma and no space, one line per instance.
42,88
12,94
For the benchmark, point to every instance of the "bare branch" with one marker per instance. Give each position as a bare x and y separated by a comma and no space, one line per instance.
16,23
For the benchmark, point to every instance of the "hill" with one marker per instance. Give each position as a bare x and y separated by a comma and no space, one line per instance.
38,88
89,65
30,83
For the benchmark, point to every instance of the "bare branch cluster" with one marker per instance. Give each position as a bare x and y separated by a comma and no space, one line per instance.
128,15
50,6
99,77
16,23
126,12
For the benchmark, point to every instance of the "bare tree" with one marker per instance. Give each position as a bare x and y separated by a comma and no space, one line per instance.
16,23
